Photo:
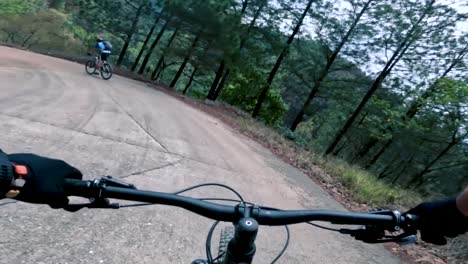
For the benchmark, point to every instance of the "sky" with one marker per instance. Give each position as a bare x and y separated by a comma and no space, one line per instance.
462,7
308,27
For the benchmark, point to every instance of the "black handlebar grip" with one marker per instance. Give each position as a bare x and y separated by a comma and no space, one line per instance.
411,221
78,188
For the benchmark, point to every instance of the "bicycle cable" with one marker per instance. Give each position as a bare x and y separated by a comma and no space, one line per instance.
241,200
322,227
224,200
286,244
211,184
201,199
209,256
248,203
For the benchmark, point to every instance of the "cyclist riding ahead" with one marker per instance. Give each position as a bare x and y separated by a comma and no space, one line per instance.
35,179
104,50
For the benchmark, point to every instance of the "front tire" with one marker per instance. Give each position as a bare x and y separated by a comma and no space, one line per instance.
106,71
227,233
90,67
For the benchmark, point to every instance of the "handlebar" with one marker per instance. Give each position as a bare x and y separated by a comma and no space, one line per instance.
87,189
98,189
375,226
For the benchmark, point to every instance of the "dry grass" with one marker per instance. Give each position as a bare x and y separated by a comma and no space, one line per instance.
359,185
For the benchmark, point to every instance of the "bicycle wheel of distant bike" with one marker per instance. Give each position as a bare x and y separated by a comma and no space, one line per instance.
106,71
90,67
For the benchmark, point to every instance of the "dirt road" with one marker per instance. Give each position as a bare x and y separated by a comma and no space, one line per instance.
125,129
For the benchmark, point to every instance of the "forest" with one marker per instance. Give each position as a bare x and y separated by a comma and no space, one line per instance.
378,84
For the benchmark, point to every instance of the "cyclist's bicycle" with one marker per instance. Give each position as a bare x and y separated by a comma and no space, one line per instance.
106,68
237,243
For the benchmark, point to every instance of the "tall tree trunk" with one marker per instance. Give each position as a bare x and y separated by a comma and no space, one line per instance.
379,154
160,61
367,147
361,121
245,3
189,83
416,105
192,76
383,173
157,69
387,167
31,34
418,179
277,65
161,70
318,82
130,33
409,39
153,45
184,63
148,37
402,170
221,84
339,149
214,85
9,36
252,24
217,86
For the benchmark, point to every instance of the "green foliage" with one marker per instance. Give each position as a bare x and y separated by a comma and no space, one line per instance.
450,93
243,92
367,188
21,7
44,31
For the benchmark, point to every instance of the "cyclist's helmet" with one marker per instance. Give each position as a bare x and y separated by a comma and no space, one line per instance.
99,38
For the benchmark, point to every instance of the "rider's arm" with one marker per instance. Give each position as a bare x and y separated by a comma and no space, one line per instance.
462,202
44,179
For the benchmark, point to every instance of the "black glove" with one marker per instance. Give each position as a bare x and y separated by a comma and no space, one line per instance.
45,179
440,219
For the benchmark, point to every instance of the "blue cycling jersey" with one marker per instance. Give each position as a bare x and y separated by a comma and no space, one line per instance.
102,47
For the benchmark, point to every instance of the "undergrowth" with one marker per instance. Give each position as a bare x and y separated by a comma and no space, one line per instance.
364,187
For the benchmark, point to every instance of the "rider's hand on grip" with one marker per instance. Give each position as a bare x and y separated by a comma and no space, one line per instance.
440,219
45,179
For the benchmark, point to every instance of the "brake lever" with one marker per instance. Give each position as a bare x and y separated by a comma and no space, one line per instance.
101,203
109,181
98,201
408,240
375,236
